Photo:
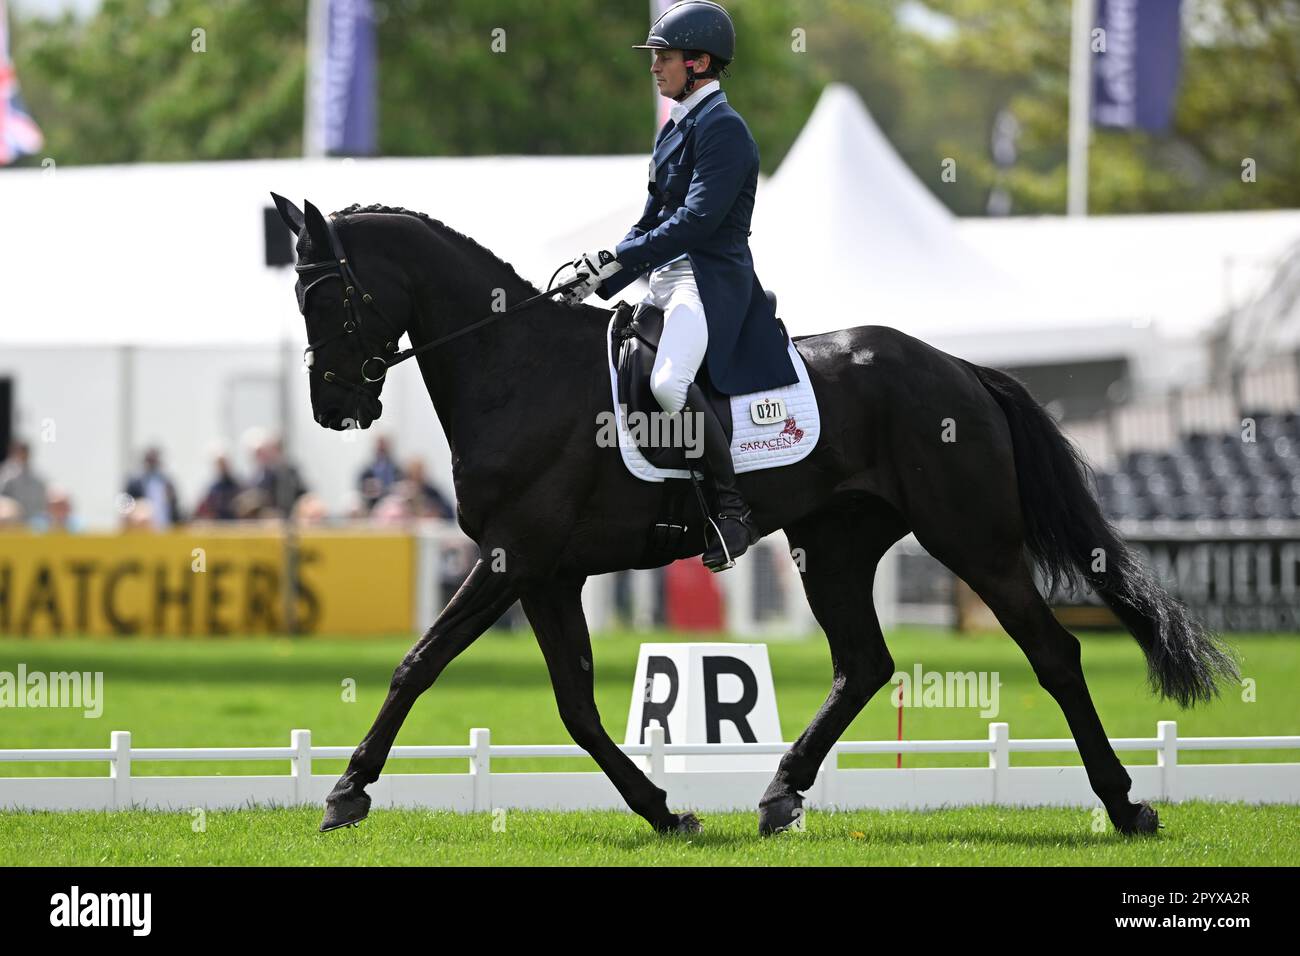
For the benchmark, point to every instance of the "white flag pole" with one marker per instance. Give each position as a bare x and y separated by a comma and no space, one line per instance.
1080,106
663,105
313,134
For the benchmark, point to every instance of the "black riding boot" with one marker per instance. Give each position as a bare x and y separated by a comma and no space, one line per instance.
730,530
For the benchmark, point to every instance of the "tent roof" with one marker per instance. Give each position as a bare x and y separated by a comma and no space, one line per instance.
844,233
172,254
1178,272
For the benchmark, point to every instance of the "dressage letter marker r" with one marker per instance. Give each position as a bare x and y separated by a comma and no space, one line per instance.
705,693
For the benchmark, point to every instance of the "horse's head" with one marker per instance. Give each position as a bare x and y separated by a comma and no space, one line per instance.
350,337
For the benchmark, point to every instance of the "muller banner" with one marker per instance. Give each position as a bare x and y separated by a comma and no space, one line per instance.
1136,59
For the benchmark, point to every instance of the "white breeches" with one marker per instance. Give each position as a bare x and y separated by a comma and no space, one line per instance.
686,334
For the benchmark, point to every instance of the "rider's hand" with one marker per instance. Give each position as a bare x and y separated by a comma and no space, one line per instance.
595,266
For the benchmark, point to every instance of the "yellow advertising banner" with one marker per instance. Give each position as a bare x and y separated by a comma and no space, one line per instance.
205,582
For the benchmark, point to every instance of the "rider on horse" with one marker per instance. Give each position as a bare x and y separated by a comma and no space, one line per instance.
693,239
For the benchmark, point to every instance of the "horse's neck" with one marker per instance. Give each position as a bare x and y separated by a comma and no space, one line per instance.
513,375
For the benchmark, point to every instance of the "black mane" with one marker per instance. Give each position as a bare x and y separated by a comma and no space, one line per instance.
439,227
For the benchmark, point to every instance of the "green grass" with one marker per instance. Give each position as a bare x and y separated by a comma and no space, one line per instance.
252,692
1196,834
190,693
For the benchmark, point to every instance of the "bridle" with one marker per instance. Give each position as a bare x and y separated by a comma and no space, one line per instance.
339,268
374,365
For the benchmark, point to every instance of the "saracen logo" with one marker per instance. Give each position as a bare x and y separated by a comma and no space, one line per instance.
790,435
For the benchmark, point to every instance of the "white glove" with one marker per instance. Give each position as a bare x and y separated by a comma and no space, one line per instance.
596,266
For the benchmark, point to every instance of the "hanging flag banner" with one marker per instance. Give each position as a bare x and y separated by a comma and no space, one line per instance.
1135,76
19,134
342,71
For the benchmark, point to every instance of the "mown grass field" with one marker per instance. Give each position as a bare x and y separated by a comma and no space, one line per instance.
191,693
253,692
1196,834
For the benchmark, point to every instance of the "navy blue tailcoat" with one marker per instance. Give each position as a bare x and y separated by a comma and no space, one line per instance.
704,175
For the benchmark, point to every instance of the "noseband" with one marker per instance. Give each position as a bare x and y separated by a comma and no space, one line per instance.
374,366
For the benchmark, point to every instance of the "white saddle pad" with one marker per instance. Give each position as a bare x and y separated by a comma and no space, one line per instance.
754,444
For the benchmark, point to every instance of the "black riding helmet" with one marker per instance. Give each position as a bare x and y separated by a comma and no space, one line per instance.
694,25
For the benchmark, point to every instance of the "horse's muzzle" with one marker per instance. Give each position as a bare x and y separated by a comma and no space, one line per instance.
362,415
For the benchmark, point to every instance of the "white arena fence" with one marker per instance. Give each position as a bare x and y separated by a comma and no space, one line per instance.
482,789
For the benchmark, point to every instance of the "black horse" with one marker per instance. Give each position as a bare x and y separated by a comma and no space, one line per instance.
913,439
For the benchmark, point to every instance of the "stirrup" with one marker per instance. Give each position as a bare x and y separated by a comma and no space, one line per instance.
746,522
730,562
710,523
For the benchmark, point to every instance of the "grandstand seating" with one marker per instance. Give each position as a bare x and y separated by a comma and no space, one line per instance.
1215,476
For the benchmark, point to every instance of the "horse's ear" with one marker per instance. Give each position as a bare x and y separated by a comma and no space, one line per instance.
290,213
316,228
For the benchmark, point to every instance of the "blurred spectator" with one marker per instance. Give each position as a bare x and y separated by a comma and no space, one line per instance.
380,475
355,509
218,503
59,516
252,504
11,513
19,482
428,500
394,509
140,516
310,510
152,485
276,478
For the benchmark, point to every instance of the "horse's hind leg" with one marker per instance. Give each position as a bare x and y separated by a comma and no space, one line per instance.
983,546
554,609
1053,652
839,549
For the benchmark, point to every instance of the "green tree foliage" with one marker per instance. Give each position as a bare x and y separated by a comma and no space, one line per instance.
470,77
1239,99
457,77
127,84
516,76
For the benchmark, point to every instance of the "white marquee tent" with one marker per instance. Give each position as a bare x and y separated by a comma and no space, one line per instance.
137,306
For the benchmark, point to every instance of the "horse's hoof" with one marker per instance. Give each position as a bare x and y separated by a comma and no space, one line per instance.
780,814
345,810
1143,821
686,823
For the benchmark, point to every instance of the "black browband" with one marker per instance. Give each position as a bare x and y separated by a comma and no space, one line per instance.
342,270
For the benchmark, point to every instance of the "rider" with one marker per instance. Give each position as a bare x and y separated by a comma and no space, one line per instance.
693,234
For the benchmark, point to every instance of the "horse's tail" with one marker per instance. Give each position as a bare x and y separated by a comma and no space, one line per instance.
1069,538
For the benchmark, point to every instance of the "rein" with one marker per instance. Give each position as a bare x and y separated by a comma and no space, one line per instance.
340,269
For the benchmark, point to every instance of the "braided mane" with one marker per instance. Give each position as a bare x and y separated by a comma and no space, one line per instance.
439,227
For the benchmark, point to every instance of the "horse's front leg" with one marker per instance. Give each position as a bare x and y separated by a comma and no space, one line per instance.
475,607
554,608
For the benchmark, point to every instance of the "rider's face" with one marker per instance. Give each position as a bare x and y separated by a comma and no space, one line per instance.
669,69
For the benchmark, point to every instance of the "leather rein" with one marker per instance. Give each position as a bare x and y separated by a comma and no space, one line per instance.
375,367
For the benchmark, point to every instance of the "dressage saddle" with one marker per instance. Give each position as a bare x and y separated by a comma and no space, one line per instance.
634,345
